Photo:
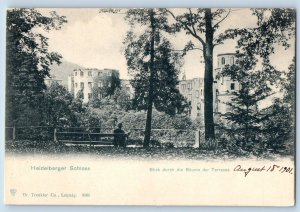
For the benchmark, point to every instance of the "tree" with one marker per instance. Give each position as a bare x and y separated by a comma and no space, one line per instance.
281,125
274,27
110,84
255,46
27,59
289,90
202,25
279,131
80,94
244,121
153,65
58,107
122,98
96,100
166,96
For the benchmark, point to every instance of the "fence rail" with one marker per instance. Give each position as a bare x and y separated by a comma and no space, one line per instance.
178,137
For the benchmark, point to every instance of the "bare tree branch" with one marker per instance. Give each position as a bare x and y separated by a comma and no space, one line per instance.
183,50
222,19
216,44
192,31
191,19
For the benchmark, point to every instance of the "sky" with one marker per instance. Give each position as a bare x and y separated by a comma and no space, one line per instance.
94,40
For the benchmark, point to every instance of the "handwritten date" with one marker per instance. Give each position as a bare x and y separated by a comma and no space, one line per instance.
273,168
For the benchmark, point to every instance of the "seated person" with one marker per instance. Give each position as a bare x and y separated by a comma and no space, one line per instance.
119,137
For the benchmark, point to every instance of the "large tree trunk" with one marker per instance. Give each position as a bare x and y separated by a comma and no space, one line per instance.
208,77
150,96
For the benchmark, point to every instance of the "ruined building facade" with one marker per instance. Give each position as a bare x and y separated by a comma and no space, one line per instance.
87,80
193,89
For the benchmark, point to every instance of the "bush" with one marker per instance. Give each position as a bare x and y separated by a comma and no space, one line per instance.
39,134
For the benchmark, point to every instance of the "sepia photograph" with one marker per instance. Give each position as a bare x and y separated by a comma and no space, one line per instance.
150,106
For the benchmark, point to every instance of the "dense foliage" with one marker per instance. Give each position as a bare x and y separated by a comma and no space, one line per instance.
153,65
250,127
166,96
27,62
60,108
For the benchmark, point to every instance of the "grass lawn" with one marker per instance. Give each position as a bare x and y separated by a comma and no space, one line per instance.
131,152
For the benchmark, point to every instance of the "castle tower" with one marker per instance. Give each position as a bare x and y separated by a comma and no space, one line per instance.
224,86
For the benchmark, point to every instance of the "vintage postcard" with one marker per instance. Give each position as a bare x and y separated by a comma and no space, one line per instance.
154,106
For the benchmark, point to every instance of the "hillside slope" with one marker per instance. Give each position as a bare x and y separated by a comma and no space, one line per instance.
63,70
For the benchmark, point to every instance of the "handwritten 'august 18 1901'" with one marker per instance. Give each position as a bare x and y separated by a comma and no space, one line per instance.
271,168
